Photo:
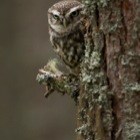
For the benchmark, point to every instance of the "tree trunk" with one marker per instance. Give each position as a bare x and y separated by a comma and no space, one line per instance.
109,102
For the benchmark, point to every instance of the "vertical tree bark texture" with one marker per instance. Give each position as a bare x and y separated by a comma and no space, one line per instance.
109,102
123,68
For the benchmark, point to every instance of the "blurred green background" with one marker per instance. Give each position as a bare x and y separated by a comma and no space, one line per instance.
24,48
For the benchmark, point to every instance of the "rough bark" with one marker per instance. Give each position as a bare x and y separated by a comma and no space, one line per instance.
109,101
109,82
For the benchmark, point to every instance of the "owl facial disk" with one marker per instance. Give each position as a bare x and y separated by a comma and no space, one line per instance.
64,21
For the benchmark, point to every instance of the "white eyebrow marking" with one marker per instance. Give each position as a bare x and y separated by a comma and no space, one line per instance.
74,9
55,12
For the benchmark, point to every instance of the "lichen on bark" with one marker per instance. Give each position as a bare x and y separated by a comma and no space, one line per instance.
108,90
113,66
95,113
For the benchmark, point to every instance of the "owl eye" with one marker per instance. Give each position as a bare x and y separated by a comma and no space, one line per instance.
75,13
55,16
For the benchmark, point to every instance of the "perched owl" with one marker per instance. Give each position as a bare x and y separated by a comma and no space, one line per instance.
67,32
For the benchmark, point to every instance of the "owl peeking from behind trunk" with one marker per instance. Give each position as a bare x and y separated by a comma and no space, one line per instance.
67,32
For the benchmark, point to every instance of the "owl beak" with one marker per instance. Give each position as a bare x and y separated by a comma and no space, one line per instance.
64,22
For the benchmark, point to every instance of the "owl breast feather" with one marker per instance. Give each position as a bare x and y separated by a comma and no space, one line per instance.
70,48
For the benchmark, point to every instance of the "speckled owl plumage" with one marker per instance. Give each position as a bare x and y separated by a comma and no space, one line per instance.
67,42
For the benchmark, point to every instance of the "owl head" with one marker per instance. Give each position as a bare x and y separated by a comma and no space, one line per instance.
65,16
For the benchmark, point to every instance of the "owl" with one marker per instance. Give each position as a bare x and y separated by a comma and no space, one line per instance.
67,32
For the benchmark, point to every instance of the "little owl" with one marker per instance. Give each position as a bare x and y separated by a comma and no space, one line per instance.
67,32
